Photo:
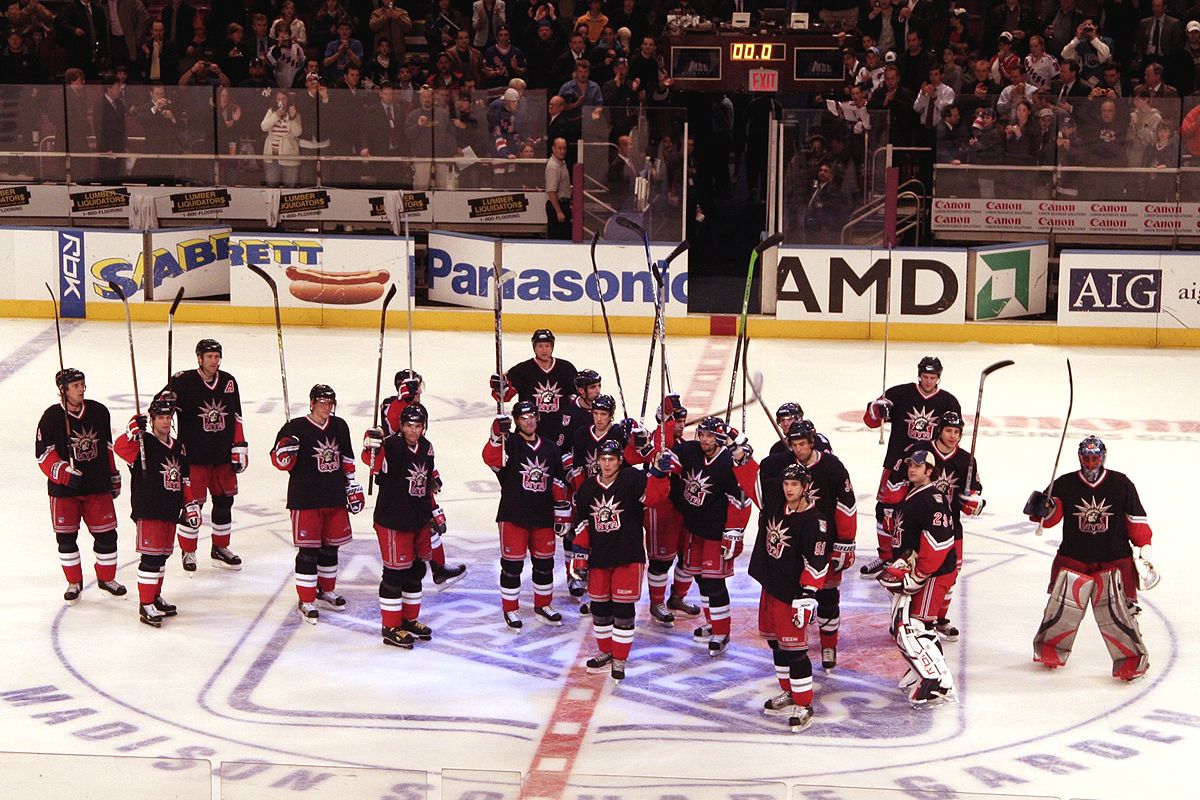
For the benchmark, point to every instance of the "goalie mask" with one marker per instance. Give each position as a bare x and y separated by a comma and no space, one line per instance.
1091,449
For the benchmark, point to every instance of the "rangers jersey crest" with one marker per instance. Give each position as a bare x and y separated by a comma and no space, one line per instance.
696,487
534,475
777,538
418,480
328,455
606,514
946,481
212,416
547,395
920,422
1093,515
172,473
85,444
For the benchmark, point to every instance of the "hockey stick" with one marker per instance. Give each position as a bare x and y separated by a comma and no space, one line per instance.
662,277
691,421
625,222
62,368
171,332
260,272
498,310
756,384
379,370
410,275
1066,423
887,318
988,370
745,372
607,330
137,403
755,254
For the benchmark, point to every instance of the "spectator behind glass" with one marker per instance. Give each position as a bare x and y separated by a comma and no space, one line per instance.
329,15
1020,142
543,46
233,56
342,52
282,126
487,18
431,136
502,61
1041,68
1089,50
285,57
287,16
952,74
951,137
1144,120
111,137
382,66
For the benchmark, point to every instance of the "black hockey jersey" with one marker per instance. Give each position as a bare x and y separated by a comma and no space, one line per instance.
90,445
614,516
914,417
323,465
210,415
531,479
1100,519
574,417
711,500
925,526
406,481
949,476
550,390
791,551
779,446
161,490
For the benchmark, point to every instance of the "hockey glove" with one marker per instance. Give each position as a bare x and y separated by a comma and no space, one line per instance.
577,569
373,440
66,475
882,409
501,426
804,610
562,518
191,514
115,480
239,457
137,426
438,523
1147,575
843,556
889,521
731,544
741,450
670,404
498,385
408,389
666,463
972,504
1039,506
355,499
286,450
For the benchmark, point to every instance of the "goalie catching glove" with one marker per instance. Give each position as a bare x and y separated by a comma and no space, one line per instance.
1148,576
899,577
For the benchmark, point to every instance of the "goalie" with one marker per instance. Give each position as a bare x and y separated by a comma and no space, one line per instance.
1103,520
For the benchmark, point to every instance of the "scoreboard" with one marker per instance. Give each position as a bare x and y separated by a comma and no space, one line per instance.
780,61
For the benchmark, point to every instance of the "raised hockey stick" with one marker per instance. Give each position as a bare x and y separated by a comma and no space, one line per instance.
983,376
171,332
755,255
410,275
692,421
260,272
756,386
745,377
1066,423
137,403
498,311
662,278
607,330
62,392
379,370
887,318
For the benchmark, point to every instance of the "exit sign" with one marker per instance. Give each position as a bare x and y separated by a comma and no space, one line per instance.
764,80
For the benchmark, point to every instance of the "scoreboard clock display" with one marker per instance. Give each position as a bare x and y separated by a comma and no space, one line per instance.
757,51
780,61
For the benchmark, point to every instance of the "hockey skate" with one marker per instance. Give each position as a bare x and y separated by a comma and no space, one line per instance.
331,600
576,586
189,561
678,603
308,612
702,634
946,630
223,558
167,609
444,577
828,658
717,645
150,615
660,614
618,670
113,588
599,663
547,615
397,637
931,693
418,629
778,706
872,568
513,620
799,718
71,595
584,609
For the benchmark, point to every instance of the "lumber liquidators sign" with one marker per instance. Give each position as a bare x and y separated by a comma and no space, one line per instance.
1007,281
553,277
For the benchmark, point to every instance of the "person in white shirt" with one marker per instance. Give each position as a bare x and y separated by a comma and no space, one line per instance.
933,98
1041,68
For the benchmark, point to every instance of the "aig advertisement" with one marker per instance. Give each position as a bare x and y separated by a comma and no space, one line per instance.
851,285
553,278
1128,290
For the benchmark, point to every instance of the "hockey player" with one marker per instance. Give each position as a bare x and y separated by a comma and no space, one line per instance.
210,427
404,467
1103,520
543,380
578,411
832,494
608,546
950,476
409,386
790,561
919,577
73,448
914,409
785,416
533,509
162,495
715,513
666,541
316,452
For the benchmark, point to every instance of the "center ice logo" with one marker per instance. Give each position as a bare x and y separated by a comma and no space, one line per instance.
920,424
606,514
534,475
85,444
1093,515
328,456
212,416
777,538
172,475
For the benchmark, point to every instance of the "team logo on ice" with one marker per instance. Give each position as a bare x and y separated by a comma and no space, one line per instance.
606,514
212,416
172,475
85,444
328,456
1093,516
546,396
534,475
418,479
777,538
696,488
920,424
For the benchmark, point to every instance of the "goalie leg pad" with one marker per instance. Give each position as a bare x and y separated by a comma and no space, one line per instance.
919,646
1069,597
1119,627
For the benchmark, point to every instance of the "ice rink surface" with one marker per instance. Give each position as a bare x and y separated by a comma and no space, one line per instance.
237,677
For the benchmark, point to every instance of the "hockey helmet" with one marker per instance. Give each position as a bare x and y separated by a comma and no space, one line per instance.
789,409
922,457
523,408
712,425
949,419
542,335
605,402
414,412
585,378
322,391
159,407
802,429
609,447
407,375
208,346
66,376
797,472
1093,446
931,364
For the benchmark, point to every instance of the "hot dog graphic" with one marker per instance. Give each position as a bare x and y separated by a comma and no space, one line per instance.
337,288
